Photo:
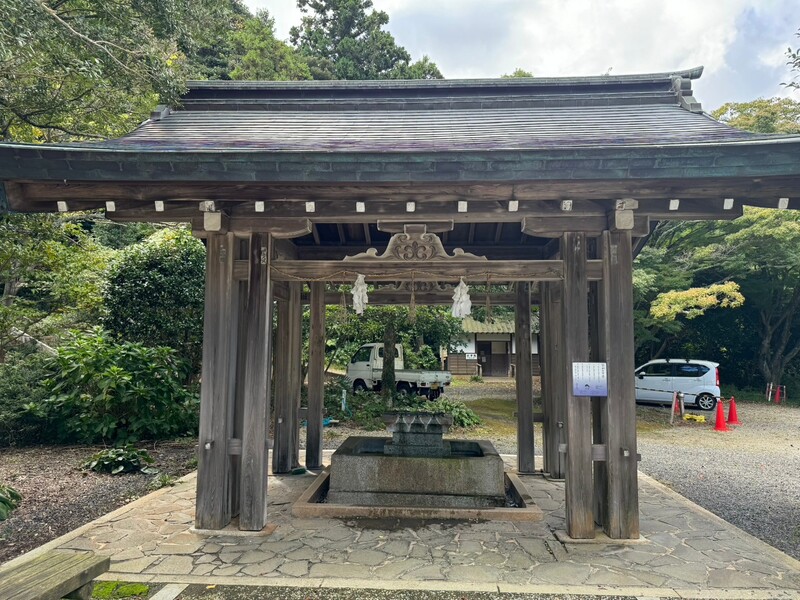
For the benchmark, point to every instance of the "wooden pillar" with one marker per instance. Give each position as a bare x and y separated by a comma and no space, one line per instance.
256,385
316,373
285,455
213,510
553,377
295,371
579,486
553,404
281,448
596,354
524,377
619,418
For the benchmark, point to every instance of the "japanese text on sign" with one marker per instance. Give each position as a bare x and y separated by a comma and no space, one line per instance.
589,379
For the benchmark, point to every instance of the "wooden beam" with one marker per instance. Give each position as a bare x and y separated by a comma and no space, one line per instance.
524,379
212,510
316,382
257,387
389,298
492,252
619,419
712,188
434,270
554,226
579,487
498,232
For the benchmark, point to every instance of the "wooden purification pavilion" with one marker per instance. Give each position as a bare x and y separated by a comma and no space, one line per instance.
545,184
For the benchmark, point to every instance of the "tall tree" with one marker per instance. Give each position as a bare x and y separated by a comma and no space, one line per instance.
761,250
257,54
210,54
50,275
518,72
345,39
82,68
772,115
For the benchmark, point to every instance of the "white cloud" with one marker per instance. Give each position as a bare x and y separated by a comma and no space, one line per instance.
738,41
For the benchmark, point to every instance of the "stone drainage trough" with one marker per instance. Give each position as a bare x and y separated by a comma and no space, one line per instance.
417,474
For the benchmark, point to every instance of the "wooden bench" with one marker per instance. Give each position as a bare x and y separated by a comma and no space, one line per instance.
52,575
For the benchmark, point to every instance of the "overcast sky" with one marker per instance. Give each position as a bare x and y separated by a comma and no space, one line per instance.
741,43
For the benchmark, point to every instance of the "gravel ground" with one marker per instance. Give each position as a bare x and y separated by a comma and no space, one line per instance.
57,496
749,476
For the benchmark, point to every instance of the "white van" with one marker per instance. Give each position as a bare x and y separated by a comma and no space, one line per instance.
657,380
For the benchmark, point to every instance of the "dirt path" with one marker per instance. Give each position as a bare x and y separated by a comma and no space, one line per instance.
57,496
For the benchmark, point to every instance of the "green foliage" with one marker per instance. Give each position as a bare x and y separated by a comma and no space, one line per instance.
154,294
78,68
113,590
21,377
51,273
211,51
694,302
258,54
476,379
112,234
115,392
9,500
517,73
344,39
772,115
663,291
433,327
794,63
363,409
162,481
463,416
126,459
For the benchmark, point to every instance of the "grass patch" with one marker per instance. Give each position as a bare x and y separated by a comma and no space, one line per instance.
118,590
496,414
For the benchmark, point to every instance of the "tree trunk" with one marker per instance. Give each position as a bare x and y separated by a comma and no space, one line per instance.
388,382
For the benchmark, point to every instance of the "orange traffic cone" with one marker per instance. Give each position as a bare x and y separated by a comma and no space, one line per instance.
733,418
720,424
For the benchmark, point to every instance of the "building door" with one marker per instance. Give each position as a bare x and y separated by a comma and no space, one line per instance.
493,358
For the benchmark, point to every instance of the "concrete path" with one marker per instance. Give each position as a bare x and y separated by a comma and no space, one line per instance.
687,552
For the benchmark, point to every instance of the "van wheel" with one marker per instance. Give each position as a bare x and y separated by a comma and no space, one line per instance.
403,389
706,402
359,386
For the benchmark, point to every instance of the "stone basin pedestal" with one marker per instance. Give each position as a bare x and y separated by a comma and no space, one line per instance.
416,467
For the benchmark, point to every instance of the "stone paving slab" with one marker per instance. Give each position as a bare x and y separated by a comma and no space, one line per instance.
688,553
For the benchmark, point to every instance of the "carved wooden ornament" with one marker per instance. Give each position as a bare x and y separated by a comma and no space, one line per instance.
415,244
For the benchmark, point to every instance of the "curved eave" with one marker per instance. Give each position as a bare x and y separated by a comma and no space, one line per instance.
773,157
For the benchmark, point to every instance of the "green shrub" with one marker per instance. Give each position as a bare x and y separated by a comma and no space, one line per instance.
462,416
116,393
9,500
476,379
21,378
154,294
364,409
120,460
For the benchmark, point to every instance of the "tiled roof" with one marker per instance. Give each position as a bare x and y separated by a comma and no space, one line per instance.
470,325
447,115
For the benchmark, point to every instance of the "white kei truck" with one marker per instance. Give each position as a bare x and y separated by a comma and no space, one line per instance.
366,366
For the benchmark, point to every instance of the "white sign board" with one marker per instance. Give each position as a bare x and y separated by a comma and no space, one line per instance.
589,379
471,356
